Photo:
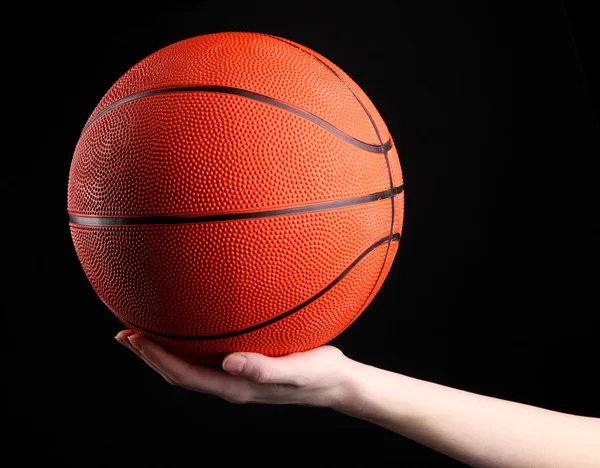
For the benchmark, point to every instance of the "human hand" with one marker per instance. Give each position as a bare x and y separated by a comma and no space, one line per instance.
469,427
316,377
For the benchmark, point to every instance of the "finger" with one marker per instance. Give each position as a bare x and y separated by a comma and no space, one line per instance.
122,338
264,369
206,379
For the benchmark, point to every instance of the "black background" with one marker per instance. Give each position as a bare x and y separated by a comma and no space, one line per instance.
494,286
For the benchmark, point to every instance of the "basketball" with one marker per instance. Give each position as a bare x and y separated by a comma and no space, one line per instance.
235,191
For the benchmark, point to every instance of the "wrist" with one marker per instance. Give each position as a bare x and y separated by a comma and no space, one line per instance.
349,397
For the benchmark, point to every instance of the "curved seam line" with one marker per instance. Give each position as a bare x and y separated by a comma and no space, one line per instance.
193,219
250,95
272,320
385,153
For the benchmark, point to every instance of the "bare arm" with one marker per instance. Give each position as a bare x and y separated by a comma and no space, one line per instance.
478,430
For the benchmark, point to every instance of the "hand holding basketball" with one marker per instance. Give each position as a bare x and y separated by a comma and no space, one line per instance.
314,377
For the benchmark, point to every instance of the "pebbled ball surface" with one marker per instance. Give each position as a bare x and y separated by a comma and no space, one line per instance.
260,63
203,289
193,153
301,330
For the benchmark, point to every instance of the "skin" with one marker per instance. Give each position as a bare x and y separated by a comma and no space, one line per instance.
478,430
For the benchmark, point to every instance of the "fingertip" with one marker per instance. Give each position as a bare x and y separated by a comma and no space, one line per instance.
235,363
135,341
122,336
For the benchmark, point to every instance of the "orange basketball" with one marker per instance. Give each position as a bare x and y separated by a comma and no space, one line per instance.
236,192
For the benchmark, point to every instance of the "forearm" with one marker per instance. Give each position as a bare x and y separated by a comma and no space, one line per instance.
479,430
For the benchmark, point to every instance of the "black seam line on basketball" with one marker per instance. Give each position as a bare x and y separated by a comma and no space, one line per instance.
385,154
120,221
251,95
341,276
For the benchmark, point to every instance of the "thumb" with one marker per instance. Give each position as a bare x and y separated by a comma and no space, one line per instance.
260,368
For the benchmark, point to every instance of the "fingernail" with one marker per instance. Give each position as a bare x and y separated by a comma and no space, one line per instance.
133,343
235,364
121,342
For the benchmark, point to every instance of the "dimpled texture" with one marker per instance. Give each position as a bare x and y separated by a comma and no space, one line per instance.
395,168
254,62
214,268
359,94
191,153
300,331
209,152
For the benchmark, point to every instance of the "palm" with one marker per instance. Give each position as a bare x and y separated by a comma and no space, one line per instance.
310,377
